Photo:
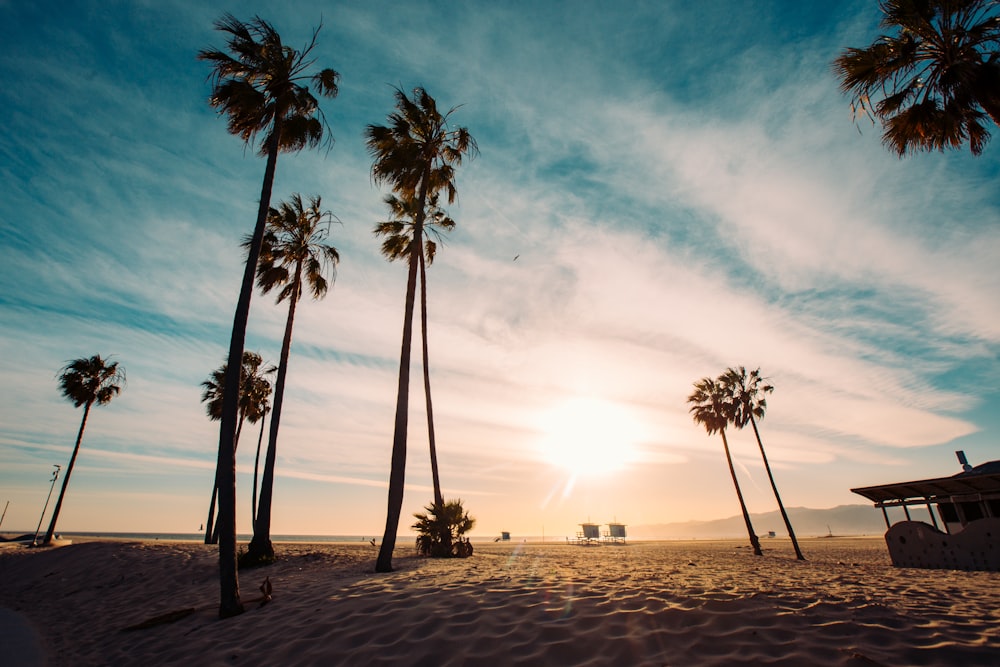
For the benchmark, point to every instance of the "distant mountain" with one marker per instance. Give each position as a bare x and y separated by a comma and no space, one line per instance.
841,520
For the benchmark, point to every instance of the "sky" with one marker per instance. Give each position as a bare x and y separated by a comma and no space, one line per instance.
663,190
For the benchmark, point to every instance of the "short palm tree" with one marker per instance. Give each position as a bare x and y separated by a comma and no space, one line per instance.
416,154
294,257
398,234
261,86
748,394
711,407
85,382
935,78
255,391
441,530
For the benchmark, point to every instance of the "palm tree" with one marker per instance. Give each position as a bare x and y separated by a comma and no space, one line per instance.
441,529
398,234
85,382
747,393
712,409
936,77
416,154
260,86
293,256
255,390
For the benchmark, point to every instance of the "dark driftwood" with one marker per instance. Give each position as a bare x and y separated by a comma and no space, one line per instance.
162,619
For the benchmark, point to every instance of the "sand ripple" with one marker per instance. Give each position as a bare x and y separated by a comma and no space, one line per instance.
643,604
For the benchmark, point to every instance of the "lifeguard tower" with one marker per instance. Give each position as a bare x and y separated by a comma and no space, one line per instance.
590,535
615,534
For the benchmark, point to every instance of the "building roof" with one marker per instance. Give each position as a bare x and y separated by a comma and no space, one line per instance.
984,478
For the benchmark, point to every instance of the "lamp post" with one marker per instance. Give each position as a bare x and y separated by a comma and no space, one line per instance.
55,476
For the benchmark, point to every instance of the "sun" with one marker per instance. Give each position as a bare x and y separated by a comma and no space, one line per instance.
588,436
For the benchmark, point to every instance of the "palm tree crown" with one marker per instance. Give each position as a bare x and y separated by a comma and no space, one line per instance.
92,380
747,392
417,152
711,405
937,76
294,251
255,389
260,86
399,232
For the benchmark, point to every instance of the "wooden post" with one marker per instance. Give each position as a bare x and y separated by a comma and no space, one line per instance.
930,510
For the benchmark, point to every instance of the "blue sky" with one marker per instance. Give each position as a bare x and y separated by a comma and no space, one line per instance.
684,189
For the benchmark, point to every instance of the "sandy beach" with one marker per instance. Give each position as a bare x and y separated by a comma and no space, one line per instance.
656,603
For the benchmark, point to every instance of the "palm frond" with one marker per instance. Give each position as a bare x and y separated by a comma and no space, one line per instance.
709,405
932,78
91,380
255,389
326,82
415,143
294,249
261,85
746,394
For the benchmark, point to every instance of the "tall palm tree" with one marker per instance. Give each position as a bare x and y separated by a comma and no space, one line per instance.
255,390
748,392
398,235
85,382
261,86
416,154
293,256
711,407
935,77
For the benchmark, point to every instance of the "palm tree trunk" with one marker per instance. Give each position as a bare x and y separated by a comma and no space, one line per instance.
438,498
774,487
256,465
229,584
260,548
397,471
211,530
397,468
69,471
209,525
754,542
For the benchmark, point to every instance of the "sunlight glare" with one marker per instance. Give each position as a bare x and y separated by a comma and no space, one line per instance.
589,436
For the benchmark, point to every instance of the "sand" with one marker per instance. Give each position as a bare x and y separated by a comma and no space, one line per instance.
658,603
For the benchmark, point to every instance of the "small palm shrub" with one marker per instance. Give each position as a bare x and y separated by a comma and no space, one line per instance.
441,529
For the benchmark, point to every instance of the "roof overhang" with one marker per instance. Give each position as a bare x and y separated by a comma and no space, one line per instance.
932,490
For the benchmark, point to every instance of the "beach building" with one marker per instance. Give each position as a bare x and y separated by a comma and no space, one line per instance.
964,513
615,534
589,534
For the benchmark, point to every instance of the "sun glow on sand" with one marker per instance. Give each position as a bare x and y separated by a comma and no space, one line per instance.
589,436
